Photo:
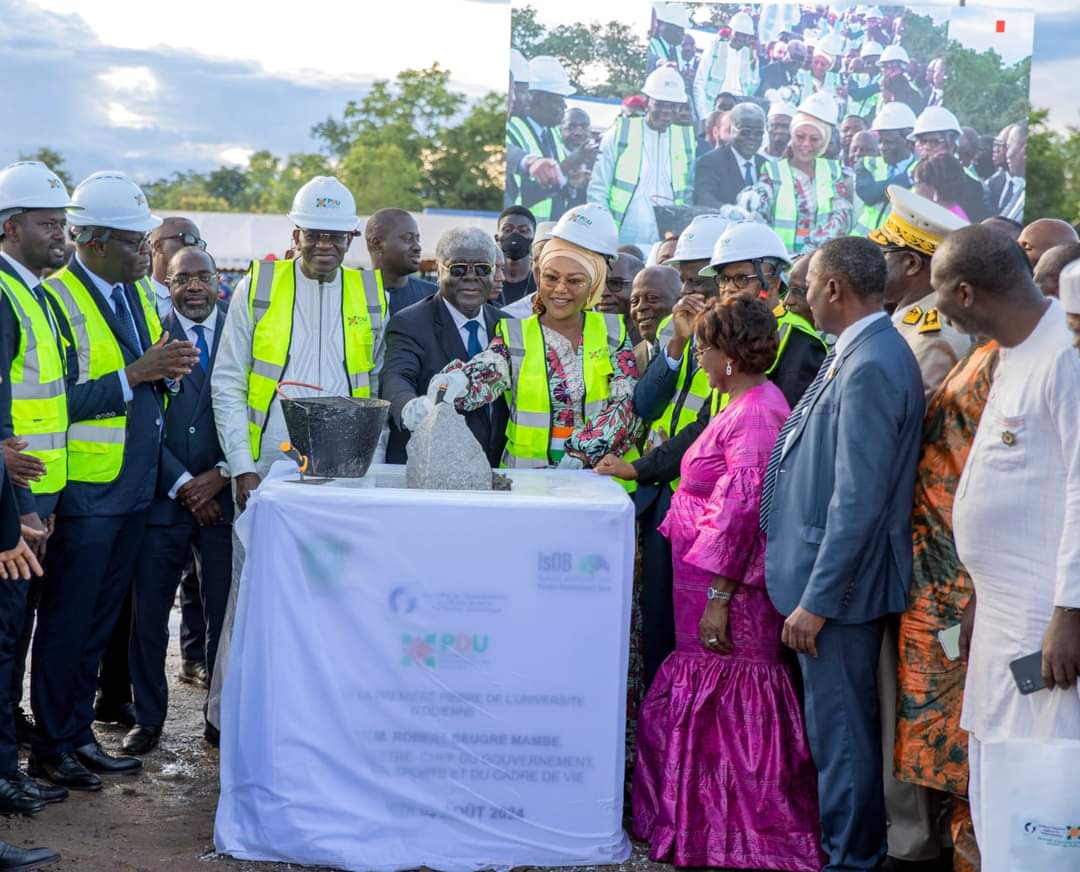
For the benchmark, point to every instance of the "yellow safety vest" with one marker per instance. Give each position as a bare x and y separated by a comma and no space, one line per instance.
873,213
39,413
520,132
629,144
528,431
95,448
785,210
271,294
867,107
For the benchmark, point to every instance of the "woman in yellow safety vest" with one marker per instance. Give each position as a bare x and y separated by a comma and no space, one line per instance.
805,198
567,372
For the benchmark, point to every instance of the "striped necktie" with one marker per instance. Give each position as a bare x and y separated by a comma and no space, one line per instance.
781,438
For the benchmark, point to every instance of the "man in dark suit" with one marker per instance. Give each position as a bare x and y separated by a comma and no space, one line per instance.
719,175
836,505
117,363
454,324
192,509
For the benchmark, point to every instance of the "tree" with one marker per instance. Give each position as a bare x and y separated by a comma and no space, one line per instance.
525,31
1053,186
53,160
923,39
468,168
381,175
982,91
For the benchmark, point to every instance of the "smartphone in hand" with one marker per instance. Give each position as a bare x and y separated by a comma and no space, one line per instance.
1027,673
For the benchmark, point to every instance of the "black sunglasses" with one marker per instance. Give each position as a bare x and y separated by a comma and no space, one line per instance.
460,270
189,239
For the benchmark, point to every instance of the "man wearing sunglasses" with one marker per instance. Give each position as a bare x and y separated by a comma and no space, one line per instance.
454,324
937,131
173,234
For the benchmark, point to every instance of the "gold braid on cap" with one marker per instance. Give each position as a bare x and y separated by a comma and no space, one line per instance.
897,231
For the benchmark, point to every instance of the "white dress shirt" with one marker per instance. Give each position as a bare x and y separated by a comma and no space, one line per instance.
209,326
854,331
460,320
316,357
744,164
1016,521
163,297
654,184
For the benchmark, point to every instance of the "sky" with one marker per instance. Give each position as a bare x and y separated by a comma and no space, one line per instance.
222,78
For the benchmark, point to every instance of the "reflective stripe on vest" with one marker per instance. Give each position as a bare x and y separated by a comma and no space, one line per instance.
39,413
629,145
521,133
867,106
528,431
787,324
785,211
687,399
271,294
873,214
95,448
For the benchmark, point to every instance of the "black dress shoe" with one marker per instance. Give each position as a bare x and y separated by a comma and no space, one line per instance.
212,734
94,758
14,859
14,801
25,730
141,740
46,792
194,672
65,771
115,713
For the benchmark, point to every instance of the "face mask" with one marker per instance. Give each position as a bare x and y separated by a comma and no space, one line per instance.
515,246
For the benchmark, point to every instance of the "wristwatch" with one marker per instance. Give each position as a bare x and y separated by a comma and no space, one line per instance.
711,593
224,472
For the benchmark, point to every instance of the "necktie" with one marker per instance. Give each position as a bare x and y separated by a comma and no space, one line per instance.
473,346
123,319
204,349
781,438
748,173
39,295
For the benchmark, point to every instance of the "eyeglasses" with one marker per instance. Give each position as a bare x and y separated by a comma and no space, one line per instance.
740,281
617,286
189,239
134,244
931,141
797,292
336,239
181,280
460,270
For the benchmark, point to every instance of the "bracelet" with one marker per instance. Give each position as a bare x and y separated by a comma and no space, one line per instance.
711,593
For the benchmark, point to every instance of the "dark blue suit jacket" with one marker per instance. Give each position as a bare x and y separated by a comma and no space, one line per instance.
191,442
133,488
840,519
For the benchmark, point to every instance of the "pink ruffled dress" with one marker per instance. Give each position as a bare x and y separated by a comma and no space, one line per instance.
724,776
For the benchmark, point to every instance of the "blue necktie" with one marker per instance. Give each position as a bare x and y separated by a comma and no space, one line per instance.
748,173
123,319
473,346
781,439
200,343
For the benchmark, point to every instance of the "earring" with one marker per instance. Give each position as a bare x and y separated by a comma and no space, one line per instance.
727,371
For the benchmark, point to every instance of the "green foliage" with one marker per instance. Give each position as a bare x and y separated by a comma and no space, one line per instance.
1053,174
467,168
54,161
381,175
602,60
923,39
982,91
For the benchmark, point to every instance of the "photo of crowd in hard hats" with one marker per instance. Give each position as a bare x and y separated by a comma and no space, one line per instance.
797,116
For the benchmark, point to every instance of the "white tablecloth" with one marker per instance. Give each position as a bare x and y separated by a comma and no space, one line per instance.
429,678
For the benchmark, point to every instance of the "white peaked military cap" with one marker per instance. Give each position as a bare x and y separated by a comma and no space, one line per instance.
915,222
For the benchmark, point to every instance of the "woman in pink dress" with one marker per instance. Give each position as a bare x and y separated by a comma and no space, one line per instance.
724,776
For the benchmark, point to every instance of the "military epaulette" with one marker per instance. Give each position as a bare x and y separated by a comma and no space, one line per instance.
931,322
913,315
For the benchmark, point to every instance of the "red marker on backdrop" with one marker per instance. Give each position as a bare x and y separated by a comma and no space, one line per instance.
1000,26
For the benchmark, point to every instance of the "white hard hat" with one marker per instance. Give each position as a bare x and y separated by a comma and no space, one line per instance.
894,54
936,119
697,240
29,184
543,231
590,226
832,46
519,67
821,106
746,241
673,13
894,116
547,74
324,204
742,23
870,48
664,83
111,199
782,107
1069,288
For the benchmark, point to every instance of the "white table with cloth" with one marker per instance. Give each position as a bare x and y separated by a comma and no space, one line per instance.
429,677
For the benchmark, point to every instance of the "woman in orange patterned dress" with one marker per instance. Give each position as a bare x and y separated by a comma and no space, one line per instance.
931,749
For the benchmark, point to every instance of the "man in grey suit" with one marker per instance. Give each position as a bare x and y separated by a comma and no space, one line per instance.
836,505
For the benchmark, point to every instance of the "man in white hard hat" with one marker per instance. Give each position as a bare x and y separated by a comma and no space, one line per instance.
118,361
896,87
539,179
864,84
937,131
666,45
646,161
719,175
824,74
33,415
729,64
893,125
